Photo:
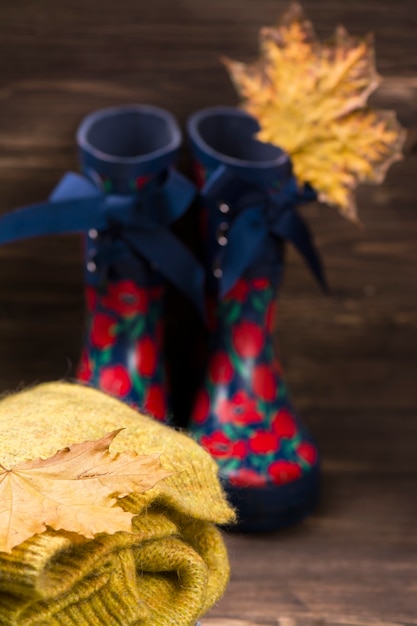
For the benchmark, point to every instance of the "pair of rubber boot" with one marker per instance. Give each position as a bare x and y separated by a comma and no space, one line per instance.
125,203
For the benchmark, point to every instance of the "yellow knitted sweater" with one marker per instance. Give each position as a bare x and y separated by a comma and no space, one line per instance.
169,571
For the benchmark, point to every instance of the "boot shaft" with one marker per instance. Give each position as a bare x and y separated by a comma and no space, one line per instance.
237,175
126,151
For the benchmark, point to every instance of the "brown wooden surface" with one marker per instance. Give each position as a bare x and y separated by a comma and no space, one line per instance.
350,359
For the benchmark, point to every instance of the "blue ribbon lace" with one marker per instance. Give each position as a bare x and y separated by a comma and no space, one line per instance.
141,221
256,216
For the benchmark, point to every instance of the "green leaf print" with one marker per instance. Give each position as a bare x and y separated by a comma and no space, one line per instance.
138,385
240,366
138,328
258,461
294,442
232,464
233,313
258,303
103,357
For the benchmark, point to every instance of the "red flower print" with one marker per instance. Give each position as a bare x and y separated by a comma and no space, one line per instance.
239,450
264,382
84,371
90,297
283,424
115,380
260,283
103,330
246,477
221,447
308,452
142,180
155,402
270,316
220,369
239,291
263,442
199,173
146,356
201,407
217,444
239,410
126,298
248,339
284,471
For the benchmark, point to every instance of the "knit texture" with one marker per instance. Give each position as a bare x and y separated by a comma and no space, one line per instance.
168,572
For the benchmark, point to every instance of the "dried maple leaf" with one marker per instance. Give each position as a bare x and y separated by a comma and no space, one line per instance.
310,98
75,490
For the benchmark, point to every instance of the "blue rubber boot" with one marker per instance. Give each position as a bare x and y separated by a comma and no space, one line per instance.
243,415
124,203
131,150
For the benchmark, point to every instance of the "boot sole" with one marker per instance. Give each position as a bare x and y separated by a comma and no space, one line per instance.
270,508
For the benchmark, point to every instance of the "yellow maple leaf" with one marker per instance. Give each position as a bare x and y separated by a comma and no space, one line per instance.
310,98
75,490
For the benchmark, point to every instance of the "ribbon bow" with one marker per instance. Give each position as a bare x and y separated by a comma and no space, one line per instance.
257,213
77,205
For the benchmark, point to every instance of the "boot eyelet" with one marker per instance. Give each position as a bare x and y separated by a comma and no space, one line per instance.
224,207
91,267
93,233
221,234
217,272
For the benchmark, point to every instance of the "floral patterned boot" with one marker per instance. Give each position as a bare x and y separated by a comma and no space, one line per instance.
124,343
124,203
243,415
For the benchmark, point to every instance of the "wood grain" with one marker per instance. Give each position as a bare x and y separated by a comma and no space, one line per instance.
350,359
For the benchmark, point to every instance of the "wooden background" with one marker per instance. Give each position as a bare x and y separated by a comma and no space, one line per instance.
350,359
